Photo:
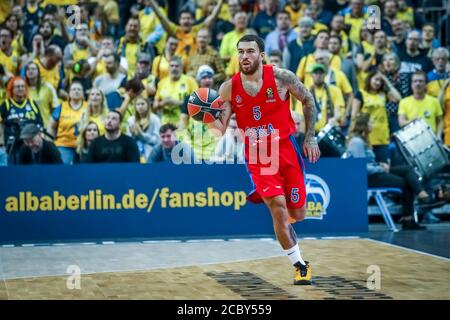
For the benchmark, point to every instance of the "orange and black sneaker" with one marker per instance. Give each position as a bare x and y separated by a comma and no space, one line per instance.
303,274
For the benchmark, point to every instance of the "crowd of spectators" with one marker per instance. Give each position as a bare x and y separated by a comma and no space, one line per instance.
108,80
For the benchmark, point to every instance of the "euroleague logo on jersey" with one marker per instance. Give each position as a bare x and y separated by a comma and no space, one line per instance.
270,95
318,197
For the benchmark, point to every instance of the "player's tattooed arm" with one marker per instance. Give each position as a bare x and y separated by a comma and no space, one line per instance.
289,80
221,124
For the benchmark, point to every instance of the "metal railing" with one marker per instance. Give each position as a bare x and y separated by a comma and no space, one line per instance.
435,14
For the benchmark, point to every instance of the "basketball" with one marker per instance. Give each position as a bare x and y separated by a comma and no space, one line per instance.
205,105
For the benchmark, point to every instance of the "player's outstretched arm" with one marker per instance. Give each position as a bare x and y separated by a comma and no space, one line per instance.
221,124
290,81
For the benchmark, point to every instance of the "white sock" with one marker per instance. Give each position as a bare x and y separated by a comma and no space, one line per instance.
294,255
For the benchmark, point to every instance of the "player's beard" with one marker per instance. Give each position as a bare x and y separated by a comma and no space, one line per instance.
252,69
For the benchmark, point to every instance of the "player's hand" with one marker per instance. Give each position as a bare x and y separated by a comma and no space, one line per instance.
311,149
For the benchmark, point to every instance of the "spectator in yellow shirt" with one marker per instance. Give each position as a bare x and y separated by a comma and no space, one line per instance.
172,91
64,122
131,45
185,31
444,99
440,73
421,106
372,100
40,91
8,57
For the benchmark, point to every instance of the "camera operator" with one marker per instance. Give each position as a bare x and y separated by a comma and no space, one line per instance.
15,112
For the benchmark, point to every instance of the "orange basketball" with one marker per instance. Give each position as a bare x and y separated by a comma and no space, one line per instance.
205,105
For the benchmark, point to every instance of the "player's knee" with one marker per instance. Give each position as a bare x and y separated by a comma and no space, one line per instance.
298,214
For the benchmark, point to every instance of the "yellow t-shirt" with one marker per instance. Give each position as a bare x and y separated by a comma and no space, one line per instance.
186,44
100,121
5,9
295,16
375,105
321,98
148,23
233,66
356,25
428,109
228,44
10,63
339,79
53,76
160,67
179,90
304,67
434,87
447,116
68,124
46,100
407,16
130,51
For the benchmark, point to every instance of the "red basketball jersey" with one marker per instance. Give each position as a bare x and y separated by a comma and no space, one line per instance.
260,116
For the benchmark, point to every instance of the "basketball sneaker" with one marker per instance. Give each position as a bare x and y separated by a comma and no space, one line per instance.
303,274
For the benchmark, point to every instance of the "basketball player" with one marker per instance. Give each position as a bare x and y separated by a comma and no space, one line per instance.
259,95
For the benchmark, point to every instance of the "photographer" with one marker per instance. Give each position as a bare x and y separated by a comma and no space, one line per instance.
36,150
17,111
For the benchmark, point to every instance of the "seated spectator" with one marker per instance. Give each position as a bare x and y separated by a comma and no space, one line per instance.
421,106
390,67
113,146
206,54
185,31
82,73
265,20
170,150
372,99
172,91
144,73
143,127
429,41
87,135
441,71
412,59
279,38
323,16
124,102
35,149
40,91
276,58
96,110
107,49
301,46
230,39
113,79
381,175
15,112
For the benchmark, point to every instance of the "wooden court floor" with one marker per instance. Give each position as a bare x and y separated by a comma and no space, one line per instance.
339,268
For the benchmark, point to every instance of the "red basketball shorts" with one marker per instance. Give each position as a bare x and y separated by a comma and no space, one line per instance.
287,180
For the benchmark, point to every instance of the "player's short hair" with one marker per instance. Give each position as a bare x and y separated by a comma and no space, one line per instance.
166,127
250,38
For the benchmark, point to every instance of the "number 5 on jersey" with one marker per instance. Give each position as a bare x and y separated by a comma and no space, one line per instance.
256,113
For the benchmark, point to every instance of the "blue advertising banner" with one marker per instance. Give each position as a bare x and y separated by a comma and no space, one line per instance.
122,201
